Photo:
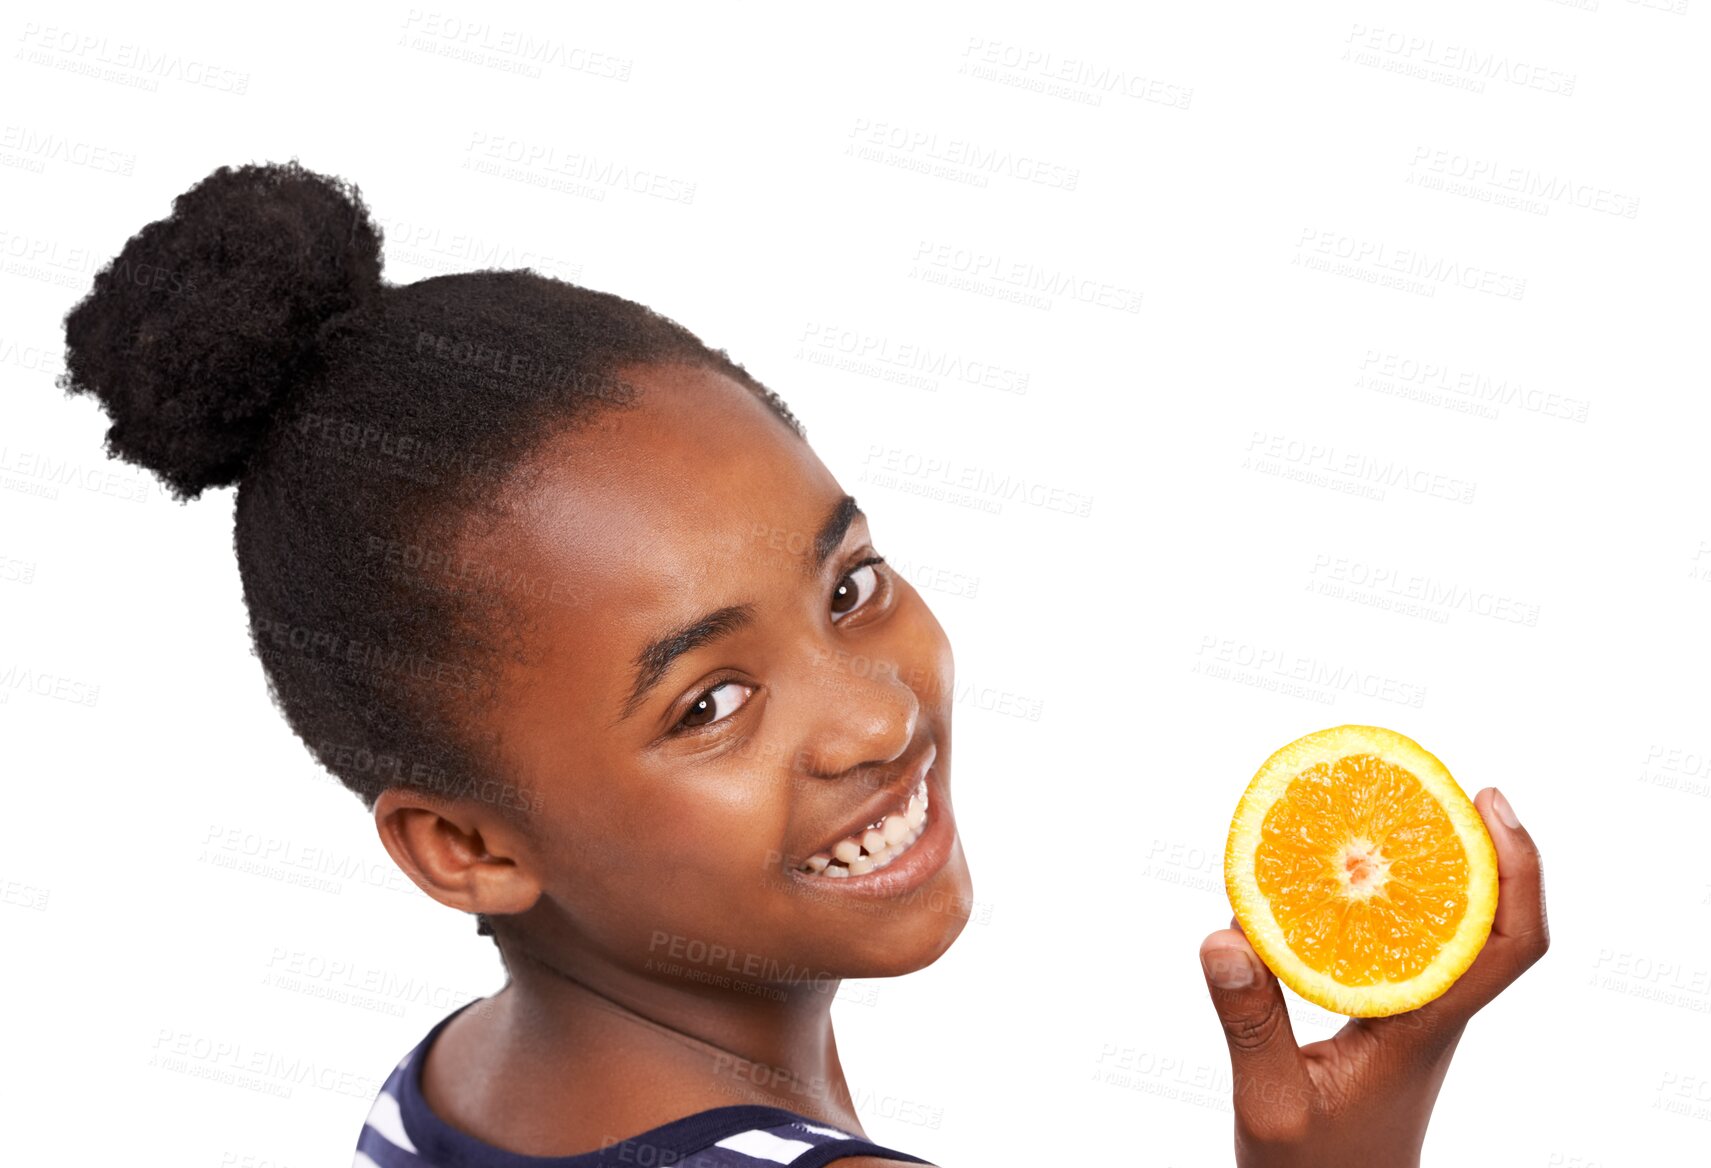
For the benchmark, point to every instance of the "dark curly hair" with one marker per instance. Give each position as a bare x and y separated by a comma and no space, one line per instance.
249,338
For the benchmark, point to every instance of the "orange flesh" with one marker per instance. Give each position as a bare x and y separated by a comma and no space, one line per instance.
1364,871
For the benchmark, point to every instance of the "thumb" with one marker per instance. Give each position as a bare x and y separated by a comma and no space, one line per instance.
1268,1076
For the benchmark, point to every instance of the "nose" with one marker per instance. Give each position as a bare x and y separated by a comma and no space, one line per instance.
856,711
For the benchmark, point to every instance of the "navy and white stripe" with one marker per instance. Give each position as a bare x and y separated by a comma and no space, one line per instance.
402,1131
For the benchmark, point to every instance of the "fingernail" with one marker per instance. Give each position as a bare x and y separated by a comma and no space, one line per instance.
1504,812
1228,969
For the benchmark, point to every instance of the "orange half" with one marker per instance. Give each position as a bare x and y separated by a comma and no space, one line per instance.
1361,873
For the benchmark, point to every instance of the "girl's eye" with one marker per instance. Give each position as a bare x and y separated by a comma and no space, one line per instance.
853,592
709,708
859,583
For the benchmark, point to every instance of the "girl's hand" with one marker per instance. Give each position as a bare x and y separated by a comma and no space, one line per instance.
1364,1096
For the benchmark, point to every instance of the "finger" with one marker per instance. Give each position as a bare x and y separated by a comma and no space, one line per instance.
1521,878
1520,932
1268,1077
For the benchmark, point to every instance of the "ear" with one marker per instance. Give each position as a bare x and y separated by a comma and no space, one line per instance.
463,856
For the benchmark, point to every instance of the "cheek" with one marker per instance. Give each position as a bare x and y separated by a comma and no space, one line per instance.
704,840
727,833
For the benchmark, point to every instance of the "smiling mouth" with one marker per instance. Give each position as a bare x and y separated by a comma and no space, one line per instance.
877,844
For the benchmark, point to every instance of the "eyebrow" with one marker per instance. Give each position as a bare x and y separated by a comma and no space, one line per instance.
652,663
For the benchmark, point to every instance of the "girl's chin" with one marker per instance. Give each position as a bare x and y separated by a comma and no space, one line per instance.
893,939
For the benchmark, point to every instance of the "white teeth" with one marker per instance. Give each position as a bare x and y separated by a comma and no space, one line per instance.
875,846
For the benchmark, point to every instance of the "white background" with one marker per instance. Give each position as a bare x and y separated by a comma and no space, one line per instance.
1313,497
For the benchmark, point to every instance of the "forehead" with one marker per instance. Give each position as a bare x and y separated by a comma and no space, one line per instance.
657,512
697,467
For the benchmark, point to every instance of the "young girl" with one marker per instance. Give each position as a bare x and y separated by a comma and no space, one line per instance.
565,597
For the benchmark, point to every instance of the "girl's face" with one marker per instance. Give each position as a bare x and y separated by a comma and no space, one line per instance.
718,686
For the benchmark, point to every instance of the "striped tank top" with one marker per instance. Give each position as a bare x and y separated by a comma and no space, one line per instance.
402,1131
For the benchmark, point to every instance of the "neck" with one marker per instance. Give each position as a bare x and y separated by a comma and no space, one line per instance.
724,1040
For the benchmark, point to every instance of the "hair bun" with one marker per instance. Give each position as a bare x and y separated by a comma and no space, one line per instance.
207,319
